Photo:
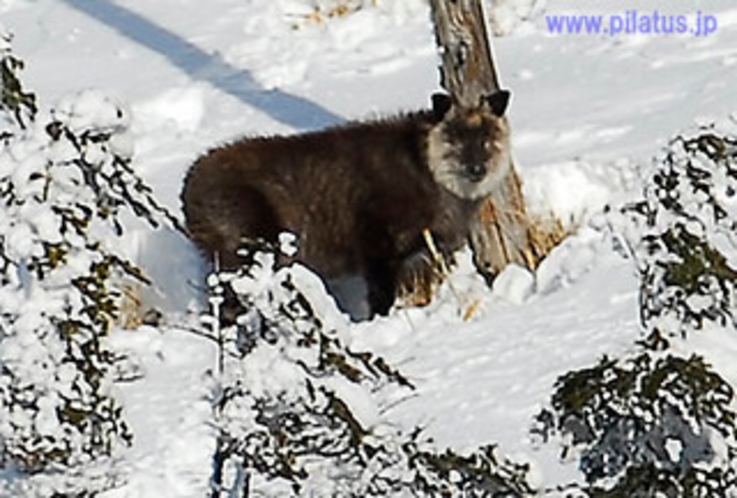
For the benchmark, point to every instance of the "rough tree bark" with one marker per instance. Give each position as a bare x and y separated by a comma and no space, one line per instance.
503,234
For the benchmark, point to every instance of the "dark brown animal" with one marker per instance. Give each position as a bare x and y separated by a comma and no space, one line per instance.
358,196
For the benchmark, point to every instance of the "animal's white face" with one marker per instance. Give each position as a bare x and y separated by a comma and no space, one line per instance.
468,150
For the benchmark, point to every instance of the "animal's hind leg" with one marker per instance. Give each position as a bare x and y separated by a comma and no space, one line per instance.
224,223
221,224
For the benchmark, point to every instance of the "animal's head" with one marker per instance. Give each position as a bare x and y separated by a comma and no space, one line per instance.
468,148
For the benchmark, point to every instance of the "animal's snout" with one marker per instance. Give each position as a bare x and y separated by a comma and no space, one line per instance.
476,172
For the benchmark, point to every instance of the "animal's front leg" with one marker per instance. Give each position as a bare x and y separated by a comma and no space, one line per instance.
381,278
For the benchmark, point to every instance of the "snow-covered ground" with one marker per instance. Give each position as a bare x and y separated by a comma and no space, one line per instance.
588,113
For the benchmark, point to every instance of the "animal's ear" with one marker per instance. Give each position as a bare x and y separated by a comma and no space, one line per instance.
498,102
441,104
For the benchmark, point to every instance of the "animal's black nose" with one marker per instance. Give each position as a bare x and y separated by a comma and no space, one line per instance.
476,172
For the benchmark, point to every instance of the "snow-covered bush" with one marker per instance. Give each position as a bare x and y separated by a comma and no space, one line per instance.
64,178
646,425
297,409
656,423
683,236
18,106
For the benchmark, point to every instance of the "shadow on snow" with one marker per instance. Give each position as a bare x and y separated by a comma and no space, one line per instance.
289,109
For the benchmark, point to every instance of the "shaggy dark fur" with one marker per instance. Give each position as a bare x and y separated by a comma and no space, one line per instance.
357,196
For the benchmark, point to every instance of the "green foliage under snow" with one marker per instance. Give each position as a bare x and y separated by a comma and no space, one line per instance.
64,178
297,409
655,423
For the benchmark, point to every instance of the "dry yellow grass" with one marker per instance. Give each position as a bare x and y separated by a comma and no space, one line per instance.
544,233
133,311
130,307
341,8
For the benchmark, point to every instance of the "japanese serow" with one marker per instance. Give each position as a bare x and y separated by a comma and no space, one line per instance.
357,196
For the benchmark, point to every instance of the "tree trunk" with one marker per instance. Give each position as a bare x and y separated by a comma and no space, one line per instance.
502,235
467,70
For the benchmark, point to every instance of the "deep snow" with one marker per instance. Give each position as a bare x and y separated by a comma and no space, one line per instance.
589,112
